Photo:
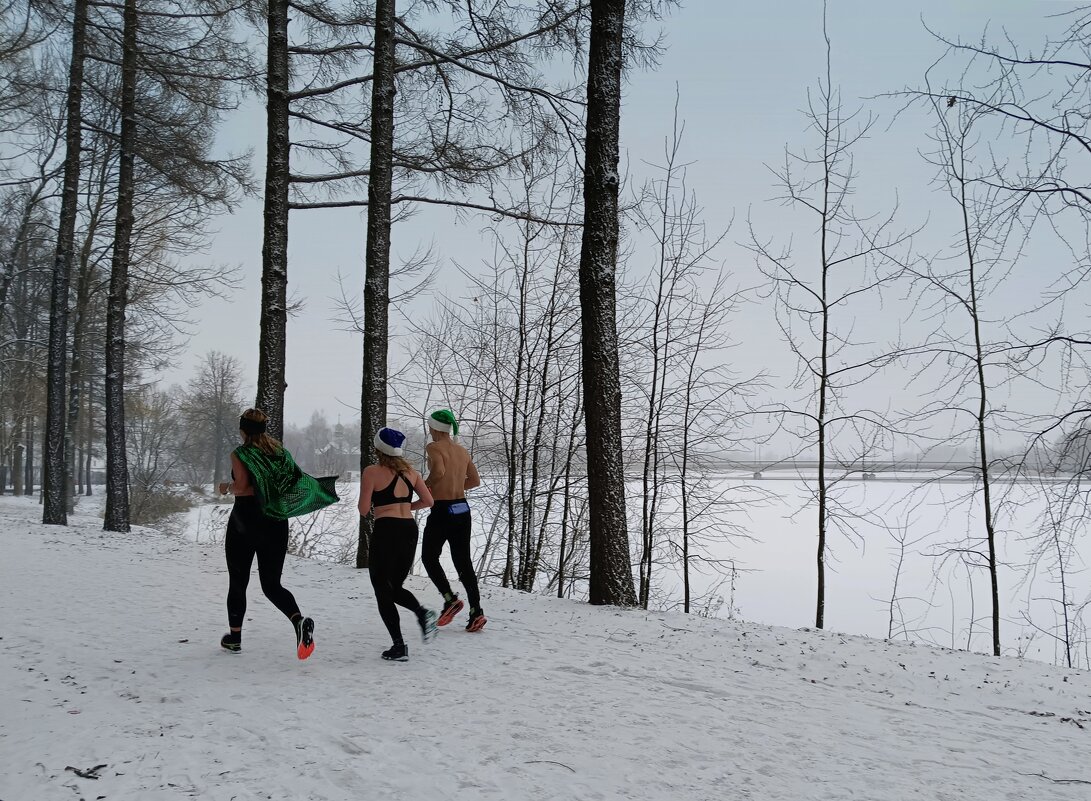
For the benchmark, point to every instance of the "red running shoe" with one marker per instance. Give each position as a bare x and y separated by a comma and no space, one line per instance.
477,620
304,636
450,609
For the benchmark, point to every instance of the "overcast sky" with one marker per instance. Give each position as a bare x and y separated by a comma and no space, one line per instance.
743,71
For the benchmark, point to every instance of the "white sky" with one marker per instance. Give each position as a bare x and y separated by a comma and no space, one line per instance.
743,70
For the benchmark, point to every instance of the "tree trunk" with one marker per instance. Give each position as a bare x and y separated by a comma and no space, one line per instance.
28,469
611,566
80,454
683,481
824,372
567,497
218,451
543,418
516,446
75,373
274,252
89,435
7,265
117,470
5,453
820,604
377,257
18,477
982,423
54,511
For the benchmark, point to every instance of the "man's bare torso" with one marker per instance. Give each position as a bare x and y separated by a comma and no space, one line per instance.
449,468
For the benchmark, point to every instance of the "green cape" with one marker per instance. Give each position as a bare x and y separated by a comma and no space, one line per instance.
283,489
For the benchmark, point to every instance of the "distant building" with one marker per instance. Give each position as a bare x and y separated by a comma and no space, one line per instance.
338,456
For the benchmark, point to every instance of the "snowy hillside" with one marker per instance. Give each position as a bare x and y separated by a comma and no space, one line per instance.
110,667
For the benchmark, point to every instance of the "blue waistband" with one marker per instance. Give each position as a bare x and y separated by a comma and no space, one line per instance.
456,507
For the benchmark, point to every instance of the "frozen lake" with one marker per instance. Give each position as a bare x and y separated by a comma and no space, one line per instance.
943,593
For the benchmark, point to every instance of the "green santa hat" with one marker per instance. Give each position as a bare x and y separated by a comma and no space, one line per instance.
444,420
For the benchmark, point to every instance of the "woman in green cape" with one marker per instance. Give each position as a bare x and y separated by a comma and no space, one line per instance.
269,488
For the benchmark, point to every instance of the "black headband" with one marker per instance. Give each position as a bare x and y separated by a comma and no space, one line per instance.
252,427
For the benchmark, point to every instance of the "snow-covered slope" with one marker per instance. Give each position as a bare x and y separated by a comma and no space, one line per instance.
109,663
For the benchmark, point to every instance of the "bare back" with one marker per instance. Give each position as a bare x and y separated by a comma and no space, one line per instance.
376,478
451,471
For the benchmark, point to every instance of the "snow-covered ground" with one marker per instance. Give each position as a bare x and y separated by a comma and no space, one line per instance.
110,666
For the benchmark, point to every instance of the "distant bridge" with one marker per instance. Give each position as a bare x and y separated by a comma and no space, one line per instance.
873,470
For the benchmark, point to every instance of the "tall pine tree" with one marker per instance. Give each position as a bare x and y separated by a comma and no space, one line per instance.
611,580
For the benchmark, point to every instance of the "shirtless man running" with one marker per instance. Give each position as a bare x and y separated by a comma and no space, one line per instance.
451,472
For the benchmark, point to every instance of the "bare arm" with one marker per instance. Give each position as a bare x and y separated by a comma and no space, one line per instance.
437,467
240,483
367,485
421,486
472,478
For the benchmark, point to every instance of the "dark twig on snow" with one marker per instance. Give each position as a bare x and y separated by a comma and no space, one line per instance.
90,773
1058,781
551,762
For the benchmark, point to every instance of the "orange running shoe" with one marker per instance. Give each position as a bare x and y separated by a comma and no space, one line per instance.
450,609
304,637
477,620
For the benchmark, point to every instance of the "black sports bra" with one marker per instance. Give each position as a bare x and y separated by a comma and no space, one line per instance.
386,496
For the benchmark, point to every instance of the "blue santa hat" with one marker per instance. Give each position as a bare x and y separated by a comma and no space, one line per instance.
390,441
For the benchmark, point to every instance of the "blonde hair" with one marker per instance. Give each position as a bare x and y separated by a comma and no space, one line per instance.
268,445
395,463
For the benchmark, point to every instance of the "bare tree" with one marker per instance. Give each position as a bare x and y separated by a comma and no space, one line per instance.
507,357
855,257
32,195
679,386
1054,547
1037,99
152,437
209,409
22,343
985,224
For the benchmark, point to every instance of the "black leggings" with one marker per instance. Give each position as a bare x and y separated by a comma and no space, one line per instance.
393,545
249,532
442,526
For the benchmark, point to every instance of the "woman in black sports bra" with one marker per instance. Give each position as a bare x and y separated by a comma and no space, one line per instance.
386,490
